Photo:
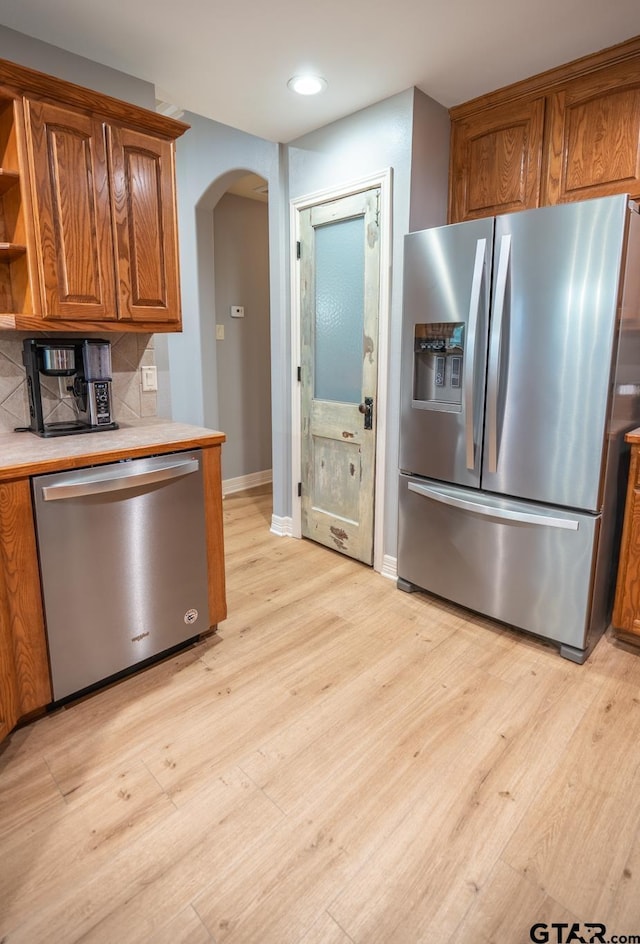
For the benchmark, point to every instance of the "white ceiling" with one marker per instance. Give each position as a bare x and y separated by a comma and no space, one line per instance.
230,59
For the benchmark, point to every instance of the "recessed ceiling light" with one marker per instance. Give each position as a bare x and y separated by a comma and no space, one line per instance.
307,84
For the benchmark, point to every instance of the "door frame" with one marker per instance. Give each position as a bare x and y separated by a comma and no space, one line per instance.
383,181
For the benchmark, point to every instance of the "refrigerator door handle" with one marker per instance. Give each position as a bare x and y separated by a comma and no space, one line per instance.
470,359
495,350
519,517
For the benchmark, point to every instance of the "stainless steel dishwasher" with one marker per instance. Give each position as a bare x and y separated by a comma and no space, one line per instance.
123,564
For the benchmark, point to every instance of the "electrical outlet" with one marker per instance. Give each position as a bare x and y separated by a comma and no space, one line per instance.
237,311
219,332
149,379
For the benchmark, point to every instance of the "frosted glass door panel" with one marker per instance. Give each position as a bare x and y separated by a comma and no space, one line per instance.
339,327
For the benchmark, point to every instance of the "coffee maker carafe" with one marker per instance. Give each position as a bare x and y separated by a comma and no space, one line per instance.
86,365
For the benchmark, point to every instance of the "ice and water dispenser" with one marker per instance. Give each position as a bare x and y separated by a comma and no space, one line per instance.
438,353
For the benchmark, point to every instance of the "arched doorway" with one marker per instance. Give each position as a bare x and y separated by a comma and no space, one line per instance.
243,355
233,272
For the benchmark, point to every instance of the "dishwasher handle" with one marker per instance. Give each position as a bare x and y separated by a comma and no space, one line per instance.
99,484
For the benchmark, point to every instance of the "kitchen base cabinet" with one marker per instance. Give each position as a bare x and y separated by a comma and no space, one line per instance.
212,483
25,682
626,610
24,668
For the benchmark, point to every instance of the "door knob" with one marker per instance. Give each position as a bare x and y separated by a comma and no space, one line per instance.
366,409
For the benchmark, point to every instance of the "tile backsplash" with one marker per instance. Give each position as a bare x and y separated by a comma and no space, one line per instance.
129,352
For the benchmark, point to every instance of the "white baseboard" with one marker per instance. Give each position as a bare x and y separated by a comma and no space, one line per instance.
389,567
283,527
241,482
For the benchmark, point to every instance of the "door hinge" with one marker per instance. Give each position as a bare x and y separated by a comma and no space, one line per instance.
298,250
299,489
299,374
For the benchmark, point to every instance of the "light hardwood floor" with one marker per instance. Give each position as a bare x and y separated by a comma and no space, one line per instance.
341,763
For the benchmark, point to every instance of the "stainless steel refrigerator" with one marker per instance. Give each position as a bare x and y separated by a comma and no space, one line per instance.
521,374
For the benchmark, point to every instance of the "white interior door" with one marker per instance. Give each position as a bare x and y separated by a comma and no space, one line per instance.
339,296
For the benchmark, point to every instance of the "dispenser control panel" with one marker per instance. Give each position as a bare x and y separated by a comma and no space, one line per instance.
438,365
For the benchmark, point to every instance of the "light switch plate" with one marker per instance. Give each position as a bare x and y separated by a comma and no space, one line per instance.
237,311
219,332
149,379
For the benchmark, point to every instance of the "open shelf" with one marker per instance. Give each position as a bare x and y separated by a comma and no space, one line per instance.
11,251
8,179
15,288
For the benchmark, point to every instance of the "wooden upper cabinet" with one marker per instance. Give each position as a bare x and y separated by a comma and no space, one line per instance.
73,217
496,158
594,140
19,281
87,209
572,133
144,211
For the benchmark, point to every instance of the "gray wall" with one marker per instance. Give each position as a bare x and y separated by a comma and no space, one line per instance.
241,269
393,133
429,163
209,158
52,60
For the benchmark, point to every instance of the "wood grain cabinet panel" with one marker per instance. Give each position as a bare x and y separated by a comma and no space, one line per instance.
73,218
626,609
19,283
24,666
594,140
496,159
9,709
88,223
572,133
144,209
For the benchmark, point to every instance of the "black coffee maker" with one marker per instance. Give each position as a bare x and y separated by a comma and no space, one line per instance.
86,363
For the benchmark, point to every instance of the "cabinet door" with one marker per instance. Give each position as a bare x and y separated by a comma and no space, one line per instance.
626,609
8,687
144,209
73,215
24,666
496,159
594,142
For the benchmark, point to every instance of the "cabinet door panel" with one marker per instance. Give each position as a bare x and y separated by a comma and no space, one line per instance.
144,211
73,220
595,136
496,161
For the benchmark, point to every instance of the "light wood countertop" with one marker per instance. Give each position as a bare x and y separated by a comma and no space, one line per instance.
24,454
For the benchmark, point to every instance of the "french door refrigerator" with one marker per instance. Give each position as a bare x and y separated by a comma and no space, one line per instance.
521,374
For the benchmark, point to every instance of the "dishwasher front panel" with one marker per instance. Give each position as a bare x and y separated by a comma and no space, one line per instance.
123,564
